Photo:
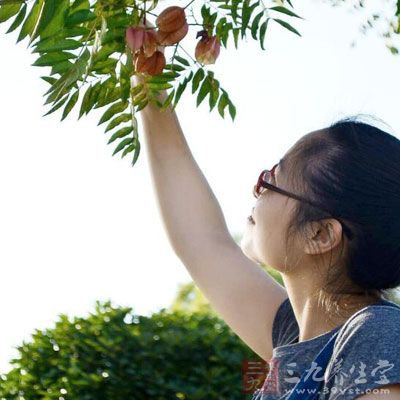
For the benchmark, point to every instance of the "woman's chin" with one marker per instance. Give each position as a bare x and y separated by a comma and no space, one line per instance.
247,248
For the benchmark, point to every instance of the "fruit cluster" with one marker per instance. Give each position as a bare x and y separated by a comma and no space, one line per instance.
172,28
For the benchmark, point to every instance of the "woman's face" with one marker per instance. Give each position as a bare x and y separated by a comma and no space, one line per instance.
264,240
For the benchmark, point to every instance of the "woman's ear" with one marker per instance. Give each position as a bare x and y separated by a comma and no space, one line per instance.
323,236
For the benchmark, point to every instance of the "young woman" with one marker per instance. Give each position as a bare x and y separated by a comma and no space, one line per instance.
327,217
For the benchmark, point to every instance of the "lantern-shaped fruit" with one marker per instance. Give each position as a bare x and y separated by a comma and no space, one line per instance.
207,49
152,65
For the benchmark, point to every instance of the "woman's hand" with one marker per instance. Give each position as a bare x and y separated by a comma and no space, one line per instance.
139,77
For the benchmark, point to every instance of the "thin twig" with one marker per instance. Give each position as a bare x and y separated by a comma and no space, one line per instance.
188,4
173,56
194,60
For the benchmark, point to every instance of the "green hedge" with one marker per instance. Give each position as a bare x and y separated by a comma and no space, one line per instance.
116,355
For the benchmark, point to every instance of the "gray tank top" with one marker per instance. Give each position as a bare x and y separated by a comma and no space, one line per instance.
366,355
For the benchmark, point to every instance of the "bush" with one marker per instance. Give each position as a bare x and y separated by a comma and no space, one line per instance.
114,354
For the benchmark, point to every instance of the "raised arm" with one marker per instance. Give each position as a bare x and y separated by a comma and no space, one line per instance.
239,290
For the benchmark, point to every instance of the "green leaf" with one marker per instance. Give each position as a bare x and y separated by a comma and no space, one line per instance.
136,89
85,101
246,15
47,15
263,29
53,58
79,17
205,12
70,77
204,89
213,99
255,23
106,94
105,66
55,44
57,106
107,50
142,104
159,86
225,7
121,133
174,67
18,19
33,35
116,21
93,97
285,11
182,60
128,150
31,20
164,77
137,151
232,110
234,9
64,81
80,5
58,94
213,19
70,105
214,93
107,62
198,77
287,26
118,120
220,26
236,32
139,98
9,10
102,95
113,35
168,100
223,102
122,144
81,63
49,79
112,95
224,35
124,78
61,67
55,26
181,88
114,109
178,93
74,31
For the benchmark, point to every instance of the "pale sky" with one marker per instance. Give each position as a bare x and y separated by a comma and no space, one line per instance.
78,225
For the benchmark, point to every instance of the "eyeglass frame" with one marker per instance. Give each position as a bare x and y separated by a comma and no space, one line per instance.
262,183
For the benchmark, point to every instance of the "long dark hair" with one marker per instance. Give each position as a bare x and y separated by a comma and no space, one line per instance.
352,169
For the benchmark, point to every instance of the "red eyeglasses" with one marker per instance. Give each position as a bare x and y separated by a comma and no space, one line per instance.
268,176
264,180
